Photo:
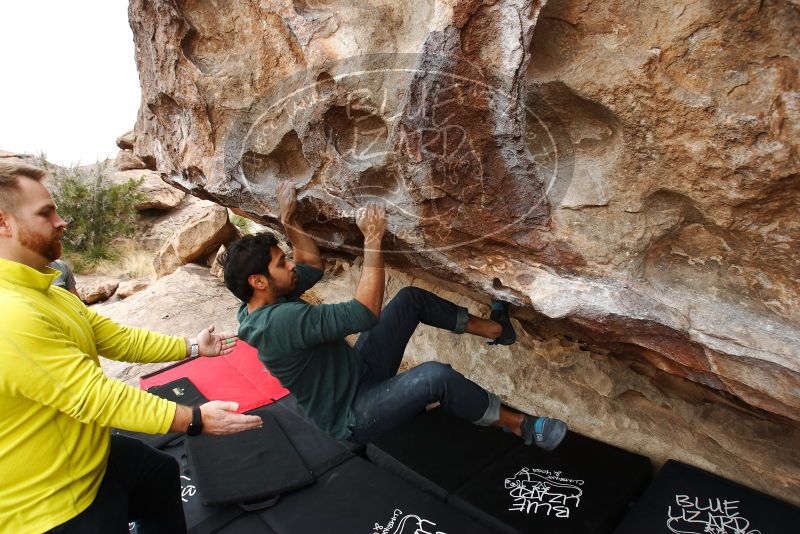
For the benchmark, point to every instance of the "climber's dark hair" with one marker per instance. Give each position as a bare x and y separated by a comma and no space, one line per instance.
245,257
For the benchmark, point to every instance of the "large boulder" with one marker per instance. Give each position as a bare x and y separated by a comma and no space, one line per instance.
215,264
126,140
30,159
126,160
157,226
158,194
201,235
627,174
131,287
93,290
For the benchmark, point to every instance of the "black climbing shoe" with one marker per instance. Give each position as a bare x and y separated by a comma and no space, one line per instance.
499,314
546,432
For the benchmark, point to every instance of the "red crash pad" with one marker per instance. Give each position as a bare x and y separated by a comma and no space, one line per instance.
239,377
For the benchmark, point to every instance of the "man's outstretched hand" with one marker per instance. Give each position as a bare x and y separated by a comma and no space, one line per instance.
371,220
211,344
220,418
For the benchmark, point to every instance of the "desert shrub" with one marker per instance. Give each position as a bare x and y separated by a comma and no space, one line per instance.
98,211
244,224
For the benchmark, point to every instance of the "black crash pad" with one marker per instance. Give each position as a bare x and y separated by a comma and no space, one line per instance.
200,519
248,523
584,486
182,391
358,497
687,500
439,452
319,451
253,465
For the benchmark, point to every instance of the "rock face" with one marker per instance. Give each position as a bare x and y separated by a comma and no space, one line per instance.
626,173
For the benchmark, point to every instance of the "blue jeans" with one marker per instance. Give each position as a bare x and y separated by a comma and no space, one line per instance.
384,399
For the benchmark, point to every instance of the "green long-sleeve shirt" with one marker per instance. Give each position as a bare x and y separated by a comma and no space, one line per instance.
56,406
304,347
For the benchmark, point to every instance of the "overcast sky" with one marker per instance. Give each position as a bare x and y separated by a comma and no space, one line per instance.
69,85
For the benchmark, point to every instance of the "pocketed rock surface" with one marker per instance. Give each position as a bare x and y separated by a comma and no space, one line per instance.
625,173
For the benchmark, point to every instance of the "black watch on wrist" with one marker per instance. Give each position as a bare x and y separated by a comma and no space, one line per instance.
196,426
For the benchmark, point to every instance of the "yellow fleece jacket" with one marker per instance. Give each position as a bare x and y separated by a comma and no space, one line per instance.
56,405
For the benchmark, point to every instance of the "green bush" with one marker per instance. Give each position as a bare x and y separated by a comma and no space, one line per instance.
98,211
244,224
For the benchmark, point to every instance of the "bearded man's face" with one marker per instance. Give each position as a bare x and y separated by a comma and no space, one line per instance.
35,226
47,246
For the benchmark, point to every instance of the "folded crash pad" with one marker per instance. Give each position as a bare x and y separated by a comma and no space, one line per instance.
584,486
182,391
239,376
439,452
687,500
358,497
319,451
253,465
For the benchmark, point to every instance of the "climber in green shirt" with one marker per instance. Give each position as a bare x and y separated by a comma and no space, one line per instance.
355,392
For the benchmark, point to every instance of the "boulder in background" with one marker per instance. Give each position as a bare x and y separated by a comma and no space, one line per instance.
96,290
158,194
196,239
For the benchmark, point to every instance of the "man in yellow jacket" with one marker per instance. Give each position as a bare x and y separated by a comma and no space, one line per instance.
60,469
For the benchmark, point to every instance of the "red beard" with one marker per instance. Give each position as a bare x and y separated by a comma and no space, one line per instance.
50,249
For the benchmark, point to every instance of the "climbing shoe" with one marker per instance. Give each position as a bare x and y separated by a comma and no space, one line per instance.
546,432
499,314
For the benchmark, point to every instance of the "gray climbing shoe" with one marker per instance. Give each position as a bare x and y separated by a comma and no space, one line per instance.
546,432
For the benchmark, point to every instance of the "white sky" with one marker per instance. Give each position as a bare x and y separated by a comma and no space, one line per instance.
68,81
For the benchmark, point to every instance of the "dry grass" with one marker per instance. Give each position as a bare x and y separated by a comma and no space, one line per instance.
129,261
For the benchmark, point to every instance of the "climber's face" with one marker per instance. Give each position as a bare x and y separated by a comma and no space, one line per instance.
282,278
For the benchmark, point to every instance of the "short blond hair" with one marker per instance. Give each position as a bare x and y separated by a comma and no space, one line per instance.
10,174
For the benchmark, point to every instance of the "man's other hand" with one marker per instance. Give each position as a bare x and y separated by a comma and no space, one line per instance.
371,220
287,200
211,344
220,418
